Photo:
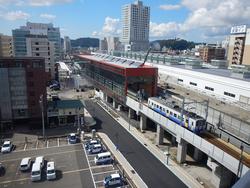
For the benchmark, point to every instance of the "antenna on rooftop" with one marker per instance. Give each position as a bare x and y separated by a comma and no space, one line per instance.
146,57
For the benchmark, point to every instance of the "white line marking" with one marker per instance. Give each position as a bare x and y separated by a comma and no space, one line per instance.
101,166
91,160
89,166
94,174
99,181
58,153
58,142
47,143
24,147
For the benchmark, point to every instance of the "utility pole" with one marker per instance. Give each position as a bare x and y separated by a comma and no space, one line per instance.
42,110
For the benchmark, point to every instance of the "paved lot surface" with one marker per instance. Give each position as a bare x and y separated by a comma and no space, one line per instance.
150,169
71,164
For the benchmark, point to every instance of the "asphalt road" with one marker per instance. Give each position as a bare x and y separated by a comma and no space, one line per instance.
151,170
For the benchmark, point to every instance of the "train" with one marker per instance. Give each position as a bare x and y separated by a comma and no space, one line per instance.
169,109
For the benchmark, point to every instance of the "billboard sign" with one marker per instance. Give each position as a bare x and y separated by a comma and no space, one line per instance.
239,29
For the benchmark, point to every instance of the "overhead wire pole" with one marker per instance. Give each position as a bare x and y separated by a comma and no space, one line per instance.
42,110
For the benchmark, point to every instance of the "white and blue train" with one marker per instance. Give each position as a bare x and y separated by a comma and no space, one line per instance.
190,120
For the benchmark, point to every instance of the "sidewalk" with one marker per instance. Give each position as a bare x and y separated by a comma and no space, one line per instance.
133,176
172,166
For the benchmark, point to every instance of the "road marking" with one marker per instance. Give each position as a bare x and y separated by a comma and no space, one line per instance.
94,174
101,166
58,143
24,147
89,166
66,172
99,181
58,153
36,144
91,160
73,171
47,143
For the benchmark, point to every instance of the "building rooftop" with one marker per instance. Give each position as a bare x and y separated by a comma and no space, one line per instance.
64,104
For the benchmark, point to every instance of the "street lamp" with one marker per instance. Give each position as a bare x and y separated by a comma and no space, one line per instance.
42,110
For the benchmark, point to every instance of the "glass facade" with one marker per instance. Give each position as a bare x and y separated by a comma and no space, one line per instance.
19,42
54,36
110,81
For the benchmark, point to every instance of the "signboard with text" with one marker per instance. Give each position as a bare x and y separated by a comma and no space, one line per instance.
239,29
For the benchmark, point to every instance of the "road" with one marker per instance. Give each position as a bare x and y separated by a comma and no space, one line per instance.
151,170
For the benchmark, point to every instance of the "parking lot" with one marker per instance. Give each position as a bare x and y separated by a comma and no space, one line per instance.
74,167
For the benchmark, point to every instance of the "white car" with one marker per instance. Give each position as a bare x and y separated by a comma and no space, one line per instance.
25,164
40,160
6,147
51,172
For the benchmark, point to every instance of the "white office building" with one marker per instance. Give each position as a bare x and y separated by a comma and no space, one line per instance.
40,46
135,26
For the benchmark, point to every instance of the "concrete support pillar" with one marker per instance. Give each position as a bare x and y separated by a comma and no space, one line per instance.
131,113
221,176
197,154
159,135
119,107
143,122
114,103
173,140
181,151
105,96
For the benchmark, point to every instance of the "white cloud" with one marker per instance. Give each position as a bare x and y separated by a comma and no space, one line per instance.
46,2
111,26
15,15
48,16
95,34
212,18
170,7
170,29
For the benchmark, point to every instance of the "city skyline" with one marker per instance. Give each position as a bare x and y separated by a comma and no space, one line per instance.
201,21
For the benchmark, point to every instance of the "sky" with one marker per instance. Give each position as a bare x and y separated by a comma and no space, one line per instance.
194,20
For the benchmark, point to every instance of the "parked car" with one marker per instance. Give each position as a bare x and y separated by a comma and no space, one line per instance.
36,171
2,169
40,160
72,138
90,143
103,158
25,164
96,148
51,172
6,147
113,180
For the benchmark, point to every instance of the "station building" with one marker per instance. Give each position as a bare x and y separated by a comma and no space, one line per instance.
119,77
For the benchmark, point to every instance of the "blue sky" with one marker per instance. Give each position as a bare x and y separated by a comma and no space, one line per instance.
197,20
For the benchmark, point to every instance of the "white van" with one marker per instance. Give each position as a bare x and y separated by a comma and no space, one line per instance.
51,172
36,172
103,158
40,160
25,164
97,148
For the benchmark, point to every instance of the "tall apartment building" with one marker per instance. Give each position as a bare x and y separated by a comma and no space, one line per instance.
103,44
239,46
135,26
40,46
6,46
23,81
207,53
67,45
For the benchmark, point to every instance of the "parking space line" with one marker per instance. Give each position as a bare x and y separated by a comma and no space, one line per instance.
101,166
89,166
98,181
91,160
58,153
58,142
105,172
36,144
11,181
24,148
72,171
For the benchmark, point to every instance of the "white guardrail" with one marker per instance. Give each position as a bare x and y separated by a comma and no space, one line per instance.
211,150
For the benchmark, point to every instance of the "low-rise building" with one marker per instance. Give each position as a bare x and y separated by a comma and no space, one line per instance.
6,46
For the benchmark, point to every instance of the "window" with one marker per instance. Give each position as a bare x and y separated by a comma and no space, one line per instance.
167,111
192,83
180,80
37,48
171,113
229,94
175,115
209,88
37,54
37,43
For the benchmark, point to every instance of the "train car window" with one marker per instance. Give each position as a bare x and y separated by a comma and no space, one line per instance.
163,109
157,106
167,111
179,117
186,120
160,108
171,113
175,115
192,123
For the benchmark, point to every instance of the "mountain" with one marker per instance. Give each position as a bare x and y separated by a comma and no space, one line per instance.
174,44
85,42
